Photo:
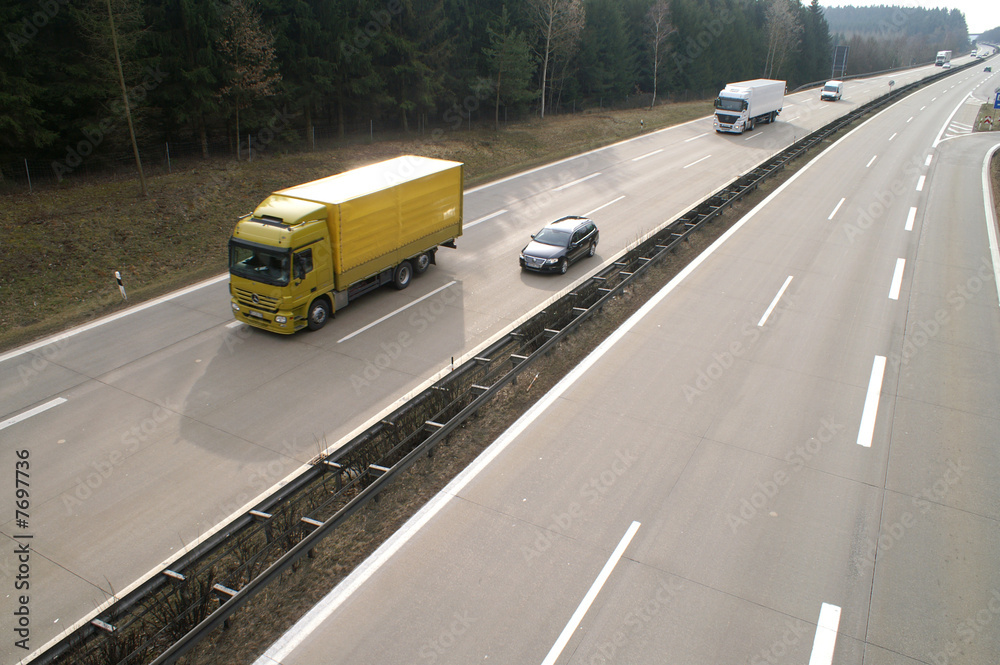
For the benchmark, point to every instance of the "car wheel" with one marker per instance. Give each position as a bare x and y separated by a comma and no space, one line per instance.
563,265
319,312
593,248
421,263
402,275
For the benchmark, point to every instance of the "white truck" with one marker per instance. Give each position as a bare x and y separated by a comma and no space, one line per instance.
742,105
943,59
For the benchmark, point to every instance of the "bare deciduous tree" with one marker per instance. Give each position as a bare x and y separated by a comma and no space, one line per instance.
658,19
248,49
559,23
783,35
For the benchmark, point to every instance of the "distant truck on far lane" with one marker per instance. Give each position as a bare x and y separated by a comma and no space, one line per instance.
740,106
943,58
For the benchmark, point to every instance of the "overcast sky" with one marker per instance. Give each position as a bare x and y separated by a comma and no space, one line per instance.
980,15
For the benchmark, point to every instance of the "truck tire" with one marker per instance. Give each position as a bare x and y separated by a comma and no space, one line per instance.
749,126
402,275
319,313
421,263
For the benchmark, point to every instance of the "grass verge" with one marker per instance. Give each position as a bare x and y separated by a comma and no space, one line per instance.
61,246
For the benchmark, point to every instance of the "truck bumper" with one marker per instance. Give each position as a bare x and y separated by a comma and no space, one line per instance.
284,323
731,129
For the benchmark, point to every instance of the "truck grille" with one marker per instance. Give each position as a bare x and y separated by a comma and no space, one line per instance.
727,119
257,301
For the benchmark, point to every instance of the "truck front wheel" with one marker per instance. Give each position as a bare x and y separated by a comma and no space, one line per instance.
319,312
402,275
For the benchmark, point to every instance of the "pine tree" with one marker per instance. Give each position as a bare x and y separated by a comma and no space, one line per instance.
510,61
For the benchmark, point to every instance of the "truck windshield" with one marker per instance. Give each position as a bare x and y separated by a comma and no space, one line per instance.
729,104
830,88
258,263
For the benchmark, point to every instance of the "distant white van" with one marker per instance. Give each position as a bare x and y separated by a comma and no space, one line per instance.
833,90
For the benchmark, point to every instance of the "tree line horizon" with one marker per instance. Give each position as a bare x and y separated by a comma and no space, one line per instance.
202,71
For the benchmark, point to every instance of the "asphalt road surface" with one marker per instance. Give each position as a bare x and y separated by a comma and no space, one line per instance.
148,429
789,456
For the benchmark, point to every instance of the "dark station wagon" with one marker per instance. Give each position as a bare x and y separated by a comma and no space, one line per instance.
559,244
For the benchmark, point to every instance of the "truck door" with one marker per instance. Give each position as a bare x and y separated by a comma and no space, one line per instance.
303,274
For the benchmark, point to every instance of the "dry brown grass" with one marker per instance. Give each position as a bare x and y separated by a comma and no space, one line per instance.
61,246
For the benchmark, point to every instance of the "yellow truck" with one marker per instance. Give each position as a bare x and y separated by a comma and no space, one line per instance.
308,250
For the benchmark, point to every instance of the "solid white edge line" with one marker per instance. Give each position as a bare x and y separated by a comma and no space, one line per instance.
825,640
774,302
395,312
601,207
897,279
648,154
329,604
948,121
483,219
588,599
32,412
866,431
920,183
840,203
991,218
697,161
576,182
111,317
910,217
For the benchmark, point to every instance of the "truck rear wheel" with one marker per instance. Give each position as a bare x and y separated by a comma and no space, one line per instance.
402,275
319,312
421,263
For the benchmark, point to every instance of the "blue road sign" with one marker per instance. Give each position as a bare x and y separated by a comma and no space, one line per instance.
996,102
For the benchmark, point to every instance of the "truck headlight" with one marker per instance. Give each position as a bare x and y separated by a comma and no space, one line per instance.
236,307
280,319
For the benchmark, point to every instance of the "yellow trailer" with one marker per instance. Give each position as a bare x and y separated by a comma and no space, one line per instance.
308,250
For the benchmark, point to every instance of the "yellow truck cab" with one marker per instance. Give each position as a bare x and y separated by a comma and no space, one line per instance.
306,251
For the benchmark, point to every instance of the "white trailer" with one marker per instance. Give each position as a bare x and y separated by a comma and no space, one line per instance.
943,58
742,105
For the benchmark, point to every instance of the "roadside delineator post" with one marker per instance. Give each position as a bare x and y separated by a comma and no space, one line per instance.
121,287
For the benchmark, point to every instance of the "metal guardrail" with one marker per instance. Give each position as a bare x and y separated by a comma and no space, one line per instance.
168,615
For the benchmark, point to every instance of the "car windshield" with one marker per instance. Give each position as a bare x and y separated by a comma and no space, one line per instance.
549,236
729,104
261,264
830,88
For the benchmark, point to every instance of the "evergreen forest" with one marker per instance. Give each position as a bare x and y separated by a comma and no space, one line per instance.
209,76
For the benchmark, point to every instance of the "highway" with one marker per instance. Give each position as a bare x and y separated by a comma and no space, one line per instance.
789,455
147,430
